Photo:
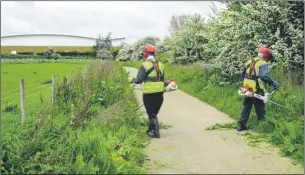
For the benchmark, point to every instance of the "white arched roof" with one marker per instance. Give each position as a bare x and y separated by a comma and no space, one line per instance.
51,40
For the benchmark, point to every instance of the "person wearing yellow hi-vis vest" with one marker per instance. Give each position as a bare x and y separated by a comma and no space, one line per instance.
255,76
151,73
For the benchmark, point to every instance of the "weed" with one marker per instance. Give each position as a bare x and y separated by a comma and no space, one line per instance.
10,108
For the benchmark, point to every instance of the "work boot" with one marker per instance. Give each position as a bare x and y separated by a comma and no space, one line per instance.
150,125
241,127
151,134
156,128
261,119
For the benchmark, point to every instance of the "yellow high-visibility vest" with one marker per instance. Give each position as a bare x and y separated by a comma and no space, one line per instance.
153,84
253,80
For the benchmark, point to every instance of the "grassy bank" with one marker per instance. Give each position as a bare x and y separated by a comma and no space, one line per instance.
283,128
91,128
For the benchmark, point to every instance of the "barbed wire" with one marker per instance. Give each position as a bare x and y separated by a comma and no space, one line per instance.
25,97
49,99
11,102
13,109
19,88
25,90
69,78
17,109
35,93
10,91
31,85
32,102
39,87
10,96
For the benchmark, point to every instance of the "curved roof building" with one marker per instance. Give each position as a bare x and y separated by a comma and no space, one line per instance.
51,39
39,42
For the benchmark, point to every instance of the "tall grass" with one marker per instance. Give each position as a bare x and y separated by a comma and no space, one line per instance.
283,127
91,128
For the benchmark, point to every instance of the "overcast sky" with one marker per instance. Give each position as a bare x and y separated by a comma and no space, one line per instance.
131,19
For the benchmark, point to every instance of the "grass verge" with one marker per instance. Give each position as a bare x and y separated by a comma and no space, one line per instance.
90,128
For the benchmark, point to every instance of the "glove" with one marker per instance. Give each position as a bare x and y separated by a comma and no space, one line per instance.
275,84
130,79
165,83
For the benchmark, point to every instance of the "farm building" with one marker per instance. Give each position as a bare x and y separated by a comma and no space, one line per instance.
40,42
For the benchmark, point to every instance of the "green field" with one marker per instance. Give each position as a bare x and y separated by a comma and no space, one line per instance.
38,83
36,77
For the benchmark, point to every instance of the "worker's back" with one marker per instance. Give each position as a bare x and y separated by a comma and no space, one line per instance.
251,77
154,77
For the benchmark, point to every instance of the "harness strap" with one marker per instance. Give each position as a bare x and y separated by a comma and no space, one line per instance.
154,67
252,68
157,70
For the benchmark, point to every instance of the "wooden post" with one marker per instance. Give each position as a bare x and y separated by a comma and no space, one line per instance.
53,89
22,101
85,71
71,77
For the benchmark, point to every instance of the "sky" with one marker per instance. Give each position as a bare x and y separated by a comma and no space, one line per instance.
130,19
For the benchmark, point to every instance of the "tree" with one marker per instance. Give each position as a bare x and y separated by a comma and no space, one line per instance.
177,22
104,54
235,35
134,51
186,45
102,43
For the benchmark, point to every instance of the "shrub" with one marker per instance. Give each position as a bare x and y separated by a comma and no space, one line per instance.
104,54
134,52
56,56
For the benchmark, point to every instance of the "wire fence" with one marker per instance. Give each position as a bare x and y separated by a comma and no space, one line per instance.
21,107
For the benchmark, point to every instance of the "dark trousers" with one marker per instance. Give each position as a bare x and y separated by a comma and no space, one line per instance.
153,103
245,112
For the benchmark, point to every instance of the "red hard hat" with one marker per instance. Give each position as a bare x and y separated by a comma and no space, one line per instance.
265,51
149,49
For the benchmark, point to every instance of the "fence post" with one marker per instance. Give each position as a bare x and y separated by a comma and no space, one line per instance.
71,77
22,101
85,71
53,89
